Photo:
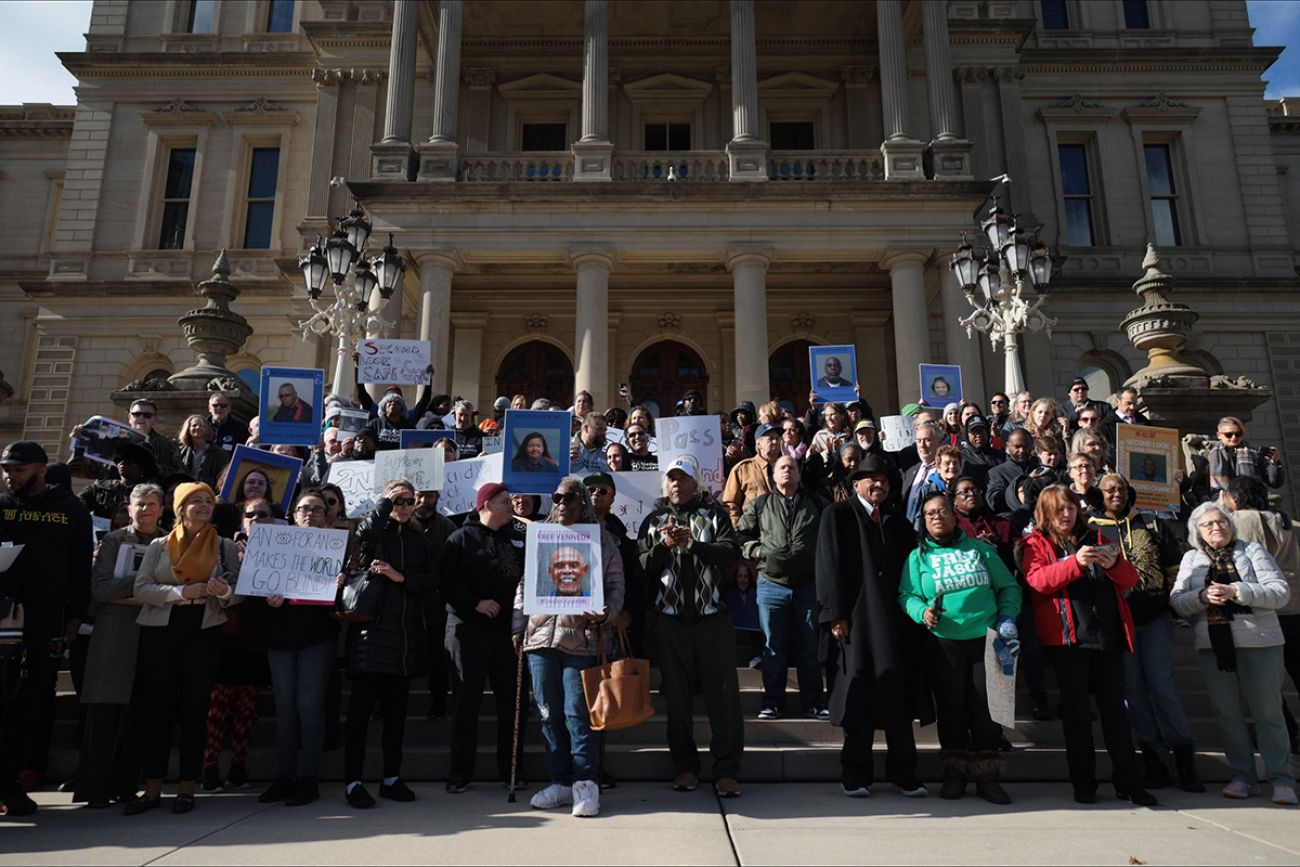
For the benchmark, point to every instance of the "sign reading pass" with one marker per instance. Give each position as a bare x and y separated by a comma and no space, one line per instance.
293,562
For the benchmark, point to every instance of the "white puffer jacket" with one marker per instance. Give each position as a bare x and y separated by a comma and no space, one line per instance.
1261,587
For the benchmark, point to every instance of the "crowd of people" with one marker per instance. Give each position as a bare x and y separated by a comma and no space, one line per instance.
880,575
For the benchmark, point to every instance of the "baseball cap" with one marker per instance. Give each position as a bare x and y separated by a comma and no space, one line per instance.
865,424
977,421
23,452
765,429
1079,380
487,492
686,464
599,479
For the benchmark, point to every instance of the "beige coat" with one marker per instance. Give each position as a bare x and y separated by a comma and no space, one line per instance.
156,587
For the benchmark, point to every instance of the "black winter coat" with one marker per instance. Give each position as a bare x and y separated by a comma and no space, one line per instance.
394,642
881,678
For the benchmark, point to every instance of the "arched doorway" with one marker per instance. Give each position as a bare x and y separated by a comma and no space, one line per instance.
787,373
666,370
536,369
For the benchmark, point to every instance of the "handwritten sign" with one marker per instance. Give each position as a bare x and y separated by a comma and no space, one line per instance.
421,467
356,480
634,497
462,479
1001,688
293,562
492,445
897,433
1147,457
404,362
696,436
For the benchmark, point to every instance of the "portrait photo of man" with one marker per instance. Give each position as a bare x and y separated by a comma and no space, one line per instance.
567,569
831,377
292,408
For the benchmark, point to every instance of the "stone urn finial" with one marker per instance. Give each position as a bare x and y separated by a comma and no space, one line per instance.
1161,327
214,330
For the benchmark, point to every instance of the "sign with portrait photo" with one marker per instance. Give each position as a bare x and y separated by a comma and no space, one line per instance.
100,437
275,477
348,421
940,384
400,362
1148,457
833,372
294,562
562,571
536,453
292,400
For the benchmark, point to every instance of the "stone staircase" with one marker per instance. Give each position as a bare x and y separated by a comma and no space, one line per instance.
793,748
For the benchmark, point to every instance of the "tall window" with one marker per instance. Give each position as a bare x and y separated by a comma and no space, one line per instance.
176,198
260,211
279,17
668,136
1055,15
1136,15
544,137
202,16
1076,187
1164,194
791,135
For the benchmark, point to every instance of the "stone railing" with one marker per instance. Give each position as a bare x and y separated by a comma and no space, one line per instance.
672,165
824,166
524,166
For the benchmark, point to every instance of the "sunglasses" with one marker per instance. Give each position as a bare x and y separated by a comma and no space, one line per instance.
142,415
310,510
599,492
220,405
566,498
257,513
403,501
635,434
1230,434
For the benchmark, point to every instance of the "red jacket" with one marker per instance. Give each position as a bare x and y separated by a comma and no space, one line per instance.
1049,576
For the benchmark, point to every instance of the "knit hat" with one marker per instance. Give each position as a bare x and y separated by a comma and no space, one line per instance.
186,490
392,394
487,492
951,407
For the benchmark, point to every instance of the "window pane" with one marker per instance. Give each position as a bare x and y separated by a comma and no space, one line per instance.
1136,16
679,136
257,231
280,18
180,174
172,234
1159,173
1074,170
791,135
656,137
1165,217
1055,17
201,17
1078,223
544,137
262,171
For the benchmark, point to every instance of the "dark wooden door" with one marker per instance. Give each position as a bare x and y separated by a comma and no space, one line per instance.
787,373
664,372
537,369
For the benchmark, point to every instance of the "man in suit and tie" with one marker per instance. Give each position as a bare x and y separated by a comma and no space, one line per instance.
928,440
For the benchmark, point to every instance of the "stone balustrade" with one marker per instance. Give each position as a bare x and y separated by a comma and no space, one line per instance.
522,166
684,165
825,166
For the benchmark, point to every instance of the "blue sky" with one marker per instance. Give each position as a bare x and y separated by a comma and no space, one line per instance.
35,29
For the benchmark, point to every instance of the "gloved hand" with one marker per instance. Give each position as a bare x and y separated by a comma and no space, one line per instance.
1006,650
1007,629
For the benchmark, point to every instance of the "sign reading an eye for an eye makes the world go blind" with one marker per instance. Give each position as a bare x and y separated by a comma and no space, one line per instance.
293,562
404,362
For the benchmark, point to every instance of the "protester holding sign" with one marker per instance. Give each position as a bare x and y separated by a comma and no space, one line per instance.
401,361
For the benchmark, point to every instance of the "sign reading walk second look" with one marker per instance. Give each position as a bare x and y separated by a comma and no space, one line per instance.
1148,457
293,562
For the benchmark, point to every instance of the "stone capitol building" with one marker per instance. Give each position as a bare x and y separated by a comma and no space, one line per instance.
663,193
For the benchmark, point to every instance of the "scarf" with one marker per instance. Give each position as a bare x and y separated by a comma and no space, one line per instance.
1223,570
193,555
1225,464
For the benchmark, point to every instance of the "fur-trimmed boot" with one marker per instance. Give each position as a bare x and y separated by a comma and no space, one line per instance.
985,769
954,764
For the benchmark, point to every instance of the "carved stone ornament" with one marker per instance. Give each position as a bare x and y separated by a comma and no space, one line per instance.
326,77
1163,102
260,105
226,384
480,76
151,383
176,105
536,321
802,321
669,321
1077,103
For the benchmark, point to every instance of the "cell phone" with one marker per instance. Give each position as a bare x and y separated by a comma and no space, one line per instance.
1113,550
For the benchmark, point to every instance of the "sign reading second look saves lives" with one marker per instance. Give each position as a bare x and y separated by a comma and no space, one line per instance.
400,362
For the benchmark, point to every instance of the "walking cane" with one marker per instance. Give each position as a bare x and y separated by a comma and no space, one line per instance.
519,702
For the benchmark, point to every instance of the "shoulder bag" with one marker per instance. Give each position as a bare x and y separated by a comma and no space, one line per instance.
618,692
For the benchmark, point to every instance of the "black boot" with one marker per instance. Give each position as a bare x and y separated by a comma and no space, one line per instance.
986,769
953,764
1156,774
1185,762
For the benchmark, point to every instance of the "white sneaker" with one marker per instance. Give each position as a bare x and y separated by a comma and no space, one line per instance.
586,799
554,795
1237,790
1283,796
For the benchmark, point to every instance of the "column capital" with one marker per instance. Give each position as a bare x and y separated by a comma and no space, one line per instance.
857,74
591,257
868,318
894,258
756,254
480,77
440,257
469,321
326,77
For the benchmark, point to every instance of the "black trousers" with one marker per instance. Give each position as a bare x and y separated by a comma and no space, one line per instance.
1290,624
703,653
107,767
856,764
1099,673
26,683
176,669
435,624
961,696
392,693
480,657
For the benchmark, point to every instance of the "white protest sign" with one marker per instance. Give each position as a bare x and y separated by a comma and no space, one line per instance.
897,431
562,571
356,480
405,362
634,497
462,479
698,437
421,467
492,445
293,562
129,558
1001,687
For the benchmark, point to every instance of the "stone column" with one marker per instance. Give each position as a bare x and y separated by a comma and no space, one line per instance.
749,278
902,152
437,268
480,80
962,350
911,323
322,149
950,153
466,378
365,87
390,310
593,153
438,155
591,325
391,157
746,152
869,337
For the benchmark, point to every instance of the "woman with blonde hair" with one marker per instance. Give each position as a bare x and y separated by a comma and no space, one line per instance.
202,458
1044,419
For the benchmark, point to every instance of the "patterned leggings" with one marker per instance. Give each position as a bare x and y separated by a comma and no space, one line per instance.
237,705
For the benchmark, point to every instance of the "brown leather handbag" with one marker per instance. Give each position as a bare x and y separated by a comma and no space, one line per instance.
618,692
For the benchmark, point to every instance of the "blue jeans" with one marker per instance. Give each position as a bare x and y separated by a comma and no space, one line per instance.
1154,707
299,678
1259,679
788,618
572,748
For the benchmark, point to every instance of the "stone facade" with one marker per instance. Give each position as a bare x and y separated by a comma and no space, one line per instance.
827,156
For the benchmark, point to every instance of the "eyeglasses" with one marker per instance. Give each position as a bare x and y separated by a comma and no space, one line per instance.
257,513
966,492
142,415
219,405
599,492
997,402
1230,434
937,513
635,434
403,501
565,497
310,510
